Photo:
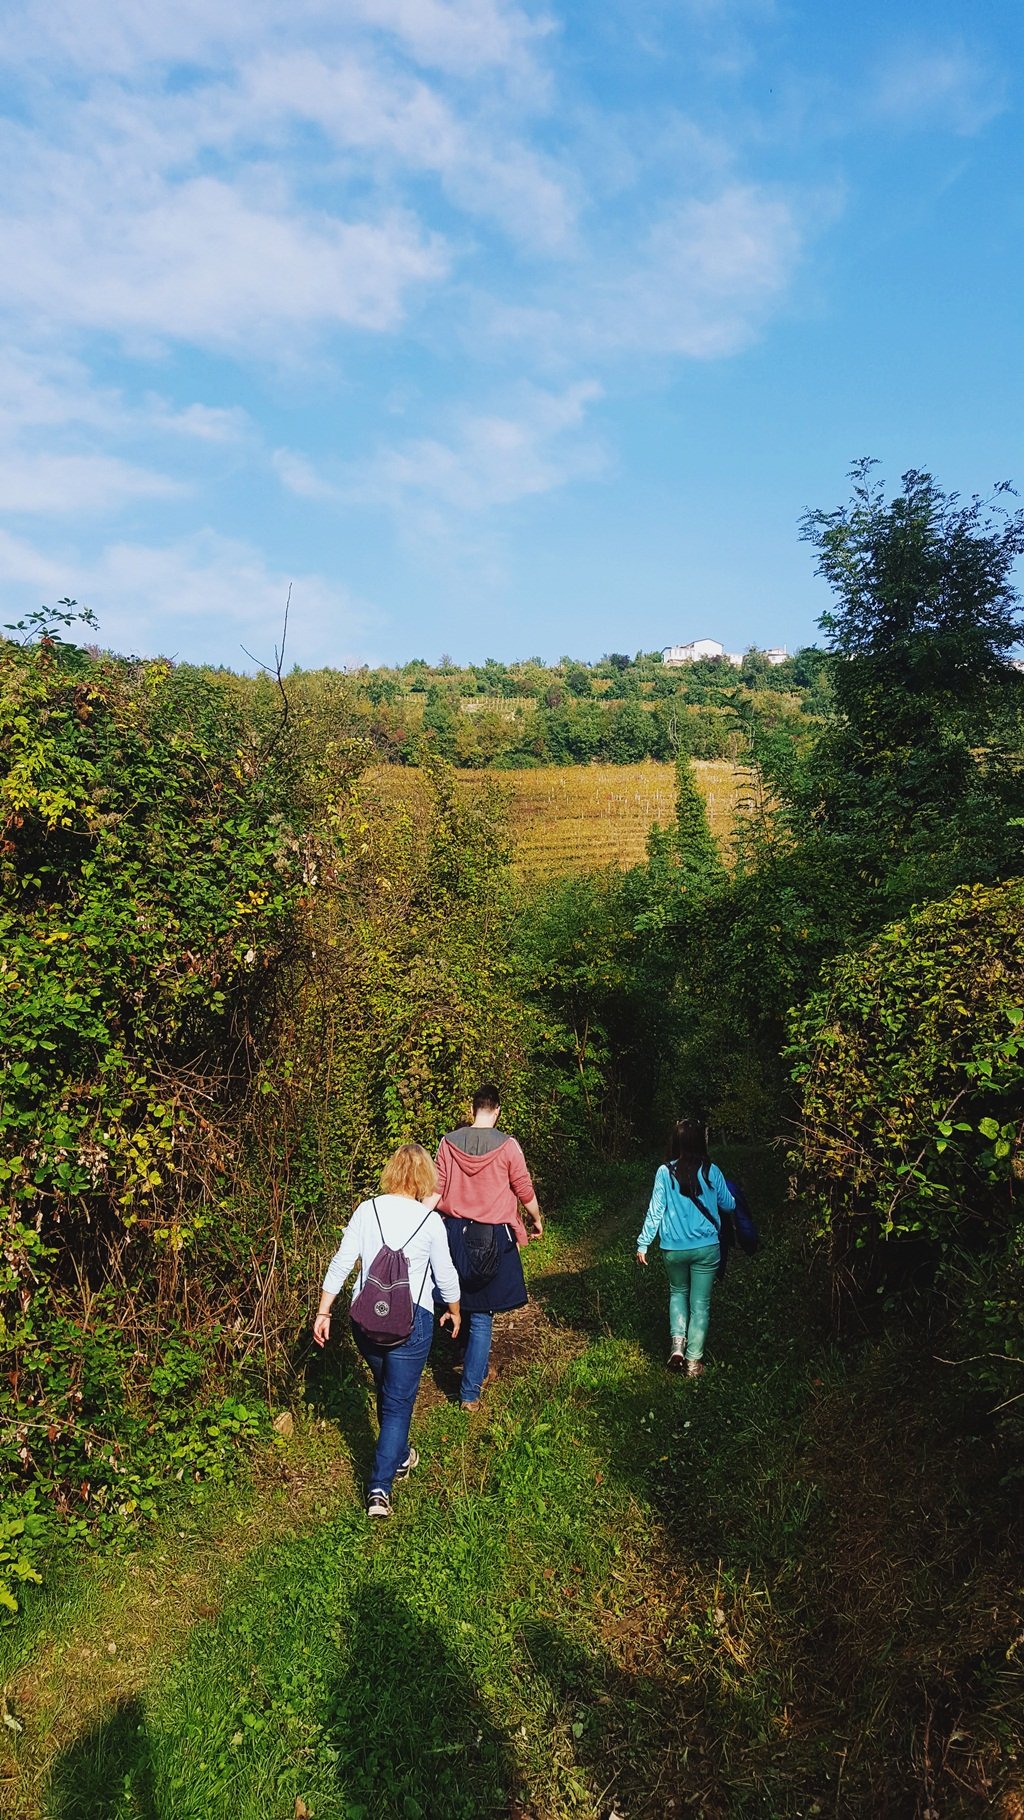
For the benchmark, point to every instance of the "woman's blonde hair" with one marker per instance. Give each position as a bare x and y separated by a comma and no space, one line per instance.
410,1171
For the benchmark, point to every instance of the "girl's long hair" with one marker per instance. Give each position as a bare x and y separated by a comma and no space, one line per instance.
687,1154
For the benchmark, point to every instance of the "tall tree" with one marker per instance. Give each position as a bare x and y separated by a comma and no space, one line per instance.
684,867
919,769
698,859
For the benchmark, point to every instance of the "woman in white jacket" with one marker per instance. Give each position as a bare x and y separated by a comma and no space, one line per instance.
395,1218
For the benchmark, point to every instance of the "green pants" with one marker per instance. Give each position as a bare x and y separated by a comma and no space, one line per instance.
690,1278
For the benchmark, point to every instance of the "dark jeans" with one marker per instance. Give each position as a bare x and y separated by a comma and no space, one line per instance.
397,1371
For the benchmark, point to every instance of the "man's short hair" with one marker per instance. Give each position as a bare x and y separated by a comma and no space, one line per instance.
486,1098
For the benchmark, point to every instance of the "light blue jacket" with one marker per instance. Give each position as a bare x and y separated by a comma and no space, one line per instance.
680,1224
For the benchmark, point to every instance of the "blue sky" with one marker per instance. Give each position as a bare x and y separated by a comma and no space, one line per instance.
494,328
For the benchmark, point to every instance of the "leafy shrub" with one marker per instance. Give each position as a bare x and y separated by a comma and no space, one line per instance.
909,1063
412,991
149,871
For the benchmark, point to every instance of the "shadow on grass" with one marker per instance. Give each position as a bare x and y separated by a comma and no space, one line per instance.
107,1774
634,1735
335,1385
413,1736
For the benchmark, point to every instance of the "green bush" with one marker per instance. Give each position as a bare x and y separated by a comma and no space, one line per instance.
909,1064
149,871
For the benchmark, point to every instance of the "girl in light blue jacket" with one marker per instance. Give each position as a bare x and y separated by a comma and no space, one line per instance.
689,1201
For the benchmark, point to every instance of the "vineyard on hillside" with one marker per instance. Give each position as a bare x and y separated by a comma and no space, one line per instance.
571,819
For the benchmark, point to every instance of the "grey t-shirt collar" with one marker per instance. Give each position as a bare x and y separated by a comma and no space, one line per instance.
477,1140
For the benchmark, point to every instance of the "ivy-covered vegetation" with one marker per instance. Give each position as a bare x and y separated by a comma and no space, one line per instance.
910,1066
149,880
230,982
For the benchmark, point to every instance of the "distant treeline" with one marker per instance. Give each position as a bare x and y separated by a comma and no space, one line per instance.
619,711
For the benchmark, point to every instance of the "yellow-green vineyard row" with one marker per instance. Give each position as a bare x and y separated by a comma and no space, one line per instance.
573,818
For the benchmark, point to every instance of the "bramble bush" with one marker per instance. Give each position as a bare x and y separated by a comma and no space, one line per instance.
149,869
231,983
909,1065
413,989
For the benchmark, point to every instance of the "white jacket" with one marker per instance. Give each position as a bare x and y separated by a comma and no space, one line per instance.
430,1261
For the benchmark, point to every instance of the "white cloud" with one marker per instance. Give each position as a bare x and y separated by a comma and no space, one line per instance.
463,36
948,87
76,483
487,459
47,392
50,392
490,459
706,274
202,597
202,262
201,422
230,178
363,107
298,475
57,429
698,283
122,37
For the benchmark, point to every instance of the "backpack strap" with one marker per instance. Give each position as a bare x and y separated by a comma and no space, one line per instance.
702,1180
380,1229
426,1272
419,1228
717,1224
409,1241
710,1218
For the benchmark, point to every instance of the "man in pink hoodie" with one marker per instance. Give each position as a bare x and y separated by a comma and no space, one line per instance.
484,1180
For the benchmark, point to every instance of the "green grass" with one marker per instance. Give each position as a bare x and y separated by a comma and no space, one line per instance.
762,1594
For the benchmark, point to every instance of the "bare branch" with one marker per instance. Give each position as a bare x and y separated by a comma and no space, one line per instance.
276,670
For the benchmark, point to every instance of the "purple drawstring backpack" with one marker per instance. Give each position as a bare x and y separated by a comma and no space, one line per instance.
384,1308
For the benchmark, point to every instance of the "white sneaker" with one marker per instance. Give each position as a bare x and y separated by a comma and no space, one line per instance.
410,1464
378,1504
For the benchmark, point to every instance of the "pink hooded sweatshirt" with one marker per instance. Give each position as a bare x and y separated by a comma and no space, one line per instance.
487,1188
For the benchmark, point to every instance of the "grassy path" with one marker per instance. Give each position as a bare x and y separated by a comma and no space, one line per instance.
760,1594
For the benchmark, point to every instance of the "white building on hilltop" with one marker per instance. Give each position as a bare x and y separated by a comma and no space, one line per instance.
674,655
695,650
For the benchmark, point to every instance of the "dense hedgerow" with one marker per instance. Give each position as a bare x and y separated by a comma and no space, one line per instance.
149,870
909,1063
417,984
230,982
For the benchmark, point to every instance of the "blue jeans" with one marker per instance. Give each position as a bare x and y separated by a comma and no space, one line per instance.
691,1275
397,1371
478,1352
